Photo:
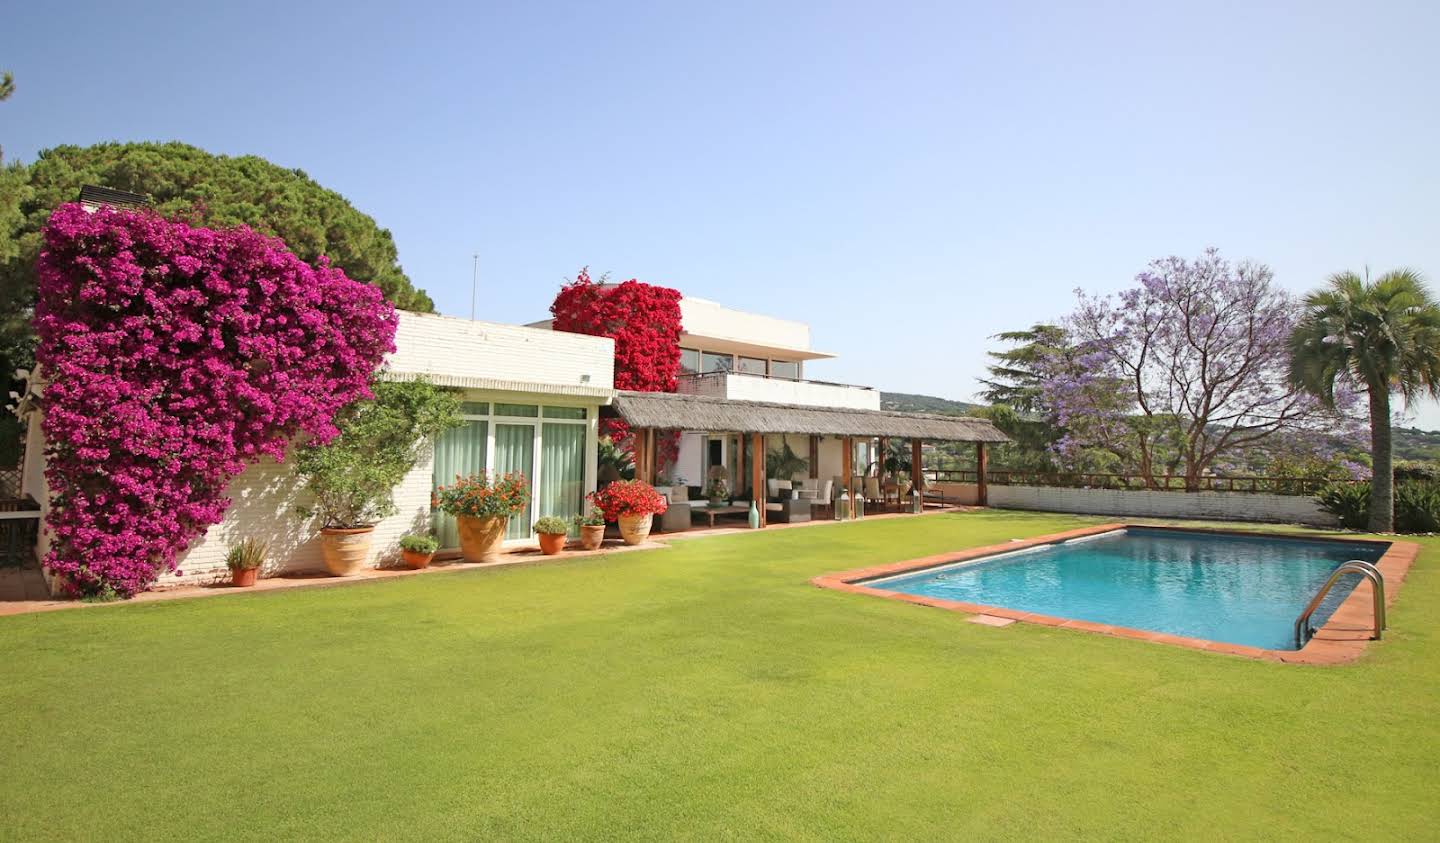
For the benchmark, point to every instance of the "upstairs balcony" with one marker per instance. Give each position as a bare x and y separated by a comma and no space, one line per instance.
738,386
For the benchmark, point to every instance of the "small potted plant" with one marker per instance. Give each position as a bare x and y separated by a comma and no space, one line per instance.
244,561
551,530
592,529
417,549
633,504
717,490
481,505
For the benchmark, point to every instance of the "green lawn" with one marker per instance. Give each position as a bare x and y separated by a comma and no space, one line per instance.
701,691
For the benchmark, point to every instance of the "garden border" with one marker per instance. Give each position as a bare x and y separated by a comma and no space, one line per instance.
1342,639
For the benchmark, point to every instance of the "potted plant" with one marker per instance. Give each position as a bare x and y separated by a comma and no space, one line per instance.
481,504
717,490
592,529
244,561
551,530
417,549
633,504
352,477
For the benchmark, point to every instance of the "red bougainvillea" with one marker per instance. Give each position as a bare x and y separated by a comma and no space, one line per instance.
644,321
173,357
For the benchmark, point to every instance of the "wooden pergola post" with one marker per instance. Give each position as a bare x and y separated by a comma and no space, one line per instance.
642,450
847,464
917,469
757,473
814,456
982,467
739,490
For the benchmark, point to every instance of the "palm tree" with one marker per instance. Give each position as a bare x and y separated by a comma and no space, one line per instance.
1382,336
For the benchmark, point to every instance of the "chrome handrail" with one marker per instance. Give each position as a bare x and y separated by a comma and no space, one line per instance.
1354,566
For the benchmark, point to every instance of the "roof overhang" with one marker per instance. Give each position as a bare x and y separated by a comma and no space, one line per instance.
600,395
671,411
750,349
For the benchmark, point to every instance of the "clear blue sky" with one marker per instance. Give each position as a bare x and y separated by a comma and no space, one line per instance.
885,172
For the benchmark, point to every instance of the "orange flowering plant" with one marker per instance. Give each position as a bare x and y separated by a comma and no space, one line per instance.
483,495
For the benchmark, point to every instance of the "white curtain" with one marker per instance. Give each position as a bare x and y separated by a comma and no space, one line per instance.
459,451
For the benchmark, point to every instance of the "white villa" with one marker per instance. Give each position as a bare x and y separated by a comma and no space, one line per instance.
533,399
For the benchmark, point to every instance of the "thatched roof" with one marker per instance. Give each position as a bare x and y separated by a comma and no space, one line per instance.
669,411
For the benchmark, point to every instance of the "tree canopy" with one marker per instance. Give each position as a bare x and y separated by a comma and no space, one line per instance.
1383,337
216,191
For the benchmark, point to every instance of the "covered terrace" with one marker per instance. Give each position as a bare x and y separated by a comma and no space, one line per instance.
820,432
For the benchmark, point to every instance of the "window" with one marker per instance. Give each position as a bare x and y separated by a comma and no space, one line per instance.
689,361
752,366
528,411
716,362
577,413
475,408
788,369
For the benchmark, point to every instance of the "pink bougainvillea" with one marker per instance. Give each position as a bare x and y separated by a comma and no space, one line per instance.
174,356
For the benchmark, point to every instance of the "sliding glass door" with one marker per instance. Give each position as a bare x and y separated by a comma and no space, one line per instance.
546,443
562,470
515,451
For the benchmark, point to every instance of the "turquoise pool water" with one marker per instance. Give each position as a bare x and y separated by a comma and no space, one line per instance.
1237,589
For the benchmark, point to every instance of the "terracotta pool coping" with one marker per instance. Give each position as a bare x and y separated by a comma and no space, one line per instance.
1342,639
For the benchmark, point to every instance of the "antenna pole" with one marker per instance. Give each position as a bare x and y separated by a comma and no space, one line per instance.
474,282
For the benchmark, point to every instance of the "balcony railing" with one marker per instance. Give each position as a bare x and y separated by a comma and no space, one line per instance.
1305,486
743,386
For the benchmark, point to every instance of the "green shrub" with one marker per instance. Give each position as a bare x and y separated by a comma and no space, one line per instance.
246,555
419,543
1349,502
596,518
551,525
1417,507
353,477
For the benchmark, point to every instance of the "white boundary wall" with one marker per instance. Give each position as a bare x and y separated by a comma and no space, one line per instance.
1225,506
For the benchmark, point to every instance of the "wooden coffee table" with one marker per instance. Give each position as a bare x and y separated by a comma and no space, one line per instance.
712,512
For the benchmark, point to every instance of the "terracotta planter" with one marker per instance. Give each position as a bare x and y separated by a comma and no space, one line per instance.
552,543
416,559
346,551
244,577
635,529
480,537
592,536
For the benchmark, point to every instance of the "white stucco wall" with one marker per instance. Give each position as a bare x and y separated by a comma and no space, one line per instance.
1228,506
263,502
443,347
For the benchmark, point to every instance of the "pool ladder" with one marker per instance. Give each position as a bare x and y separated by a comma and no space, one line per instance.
1354,566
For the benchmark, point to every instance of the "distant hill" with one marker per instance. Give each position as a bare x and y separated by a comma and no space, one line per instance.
907,403
1411,443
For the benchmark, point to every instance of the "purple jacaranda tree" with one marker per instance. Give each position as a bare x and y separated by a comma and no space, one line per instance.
1187,367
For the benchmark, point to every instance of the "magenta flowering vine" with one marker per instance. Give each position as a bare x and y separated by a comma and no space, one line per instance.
174,356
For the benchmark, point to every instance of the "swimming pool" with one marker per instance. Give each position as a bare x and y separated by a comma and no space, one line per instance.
1234,588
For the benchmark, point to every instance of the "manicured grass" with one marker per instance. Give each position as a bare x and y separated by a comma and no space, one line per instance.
701,691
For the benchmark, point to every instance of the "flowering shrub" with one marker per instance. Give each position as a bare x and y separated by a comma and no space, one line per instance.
644,321
629,497
174,356
484,496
